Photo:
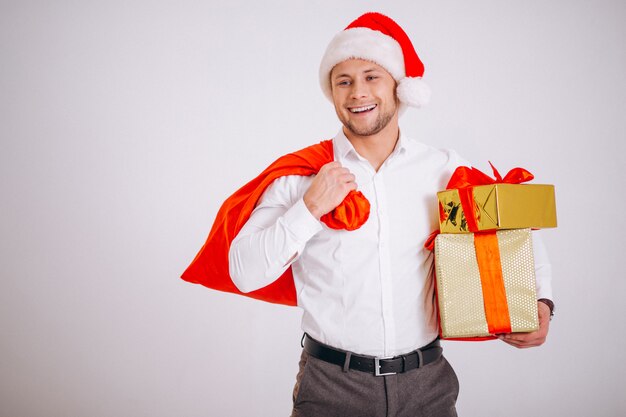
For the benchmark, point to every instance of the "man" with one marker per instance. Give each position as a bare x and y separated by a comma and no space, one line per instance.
367,293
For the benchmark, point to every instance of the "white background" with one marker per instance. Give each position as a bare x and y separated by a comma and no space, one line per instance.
125,124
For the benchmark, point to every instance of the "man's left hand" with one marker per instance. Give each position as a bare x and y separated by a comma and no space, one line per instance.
537,338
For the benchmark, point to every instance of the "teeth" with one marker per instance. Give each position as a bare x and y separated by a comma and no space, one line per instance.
362,109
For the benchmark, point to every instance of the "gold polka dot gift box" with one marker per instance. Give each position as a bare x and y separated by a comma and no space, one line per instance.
478,299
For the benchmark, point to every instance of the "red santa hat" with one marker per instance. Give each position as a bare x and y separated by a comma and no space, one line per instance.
377,38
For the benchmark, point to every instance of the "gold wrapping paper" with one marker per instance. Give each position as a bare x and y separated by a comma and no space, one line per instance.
459,290
500,206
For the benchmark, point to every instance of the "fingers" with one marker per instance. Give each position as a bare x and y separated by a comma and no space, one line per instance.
532,339
334,170
523,340
348,179
339,177
330,165
328,189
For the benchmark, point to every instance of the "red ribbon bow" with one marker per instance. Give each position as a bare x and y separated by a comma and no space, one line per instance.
465,178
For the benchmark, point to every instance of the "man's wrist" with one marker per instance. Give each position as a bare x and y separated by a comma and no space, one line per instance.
313,208
550,305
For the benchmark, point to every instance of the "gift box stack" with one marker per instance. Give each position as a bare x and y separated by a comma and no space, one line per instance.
484,266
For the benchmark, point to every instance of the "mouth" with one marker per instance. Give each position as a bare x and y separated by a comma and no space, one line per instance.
362,109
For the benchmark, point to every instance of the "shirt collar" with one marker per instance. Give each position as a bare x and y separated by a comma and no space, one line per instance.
343,147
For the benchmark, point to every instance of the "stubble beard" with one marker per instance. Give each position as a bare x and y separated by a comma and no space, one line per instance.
379,124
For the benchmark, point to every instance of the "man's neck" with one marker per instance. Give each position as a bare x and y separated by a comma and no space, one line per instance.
376,148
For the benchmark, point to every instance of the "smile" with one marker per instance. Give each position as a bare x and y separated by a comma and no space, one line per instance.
362,109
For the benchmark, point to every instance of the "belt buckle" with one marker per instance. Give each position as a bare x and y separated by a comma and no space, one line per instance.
377,368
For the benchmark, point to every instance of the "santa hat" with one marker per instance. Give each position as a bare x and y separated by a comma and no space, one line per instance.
377,38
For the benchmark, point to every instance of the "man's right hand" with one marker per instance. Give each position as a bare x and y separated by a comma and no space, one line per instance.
328,189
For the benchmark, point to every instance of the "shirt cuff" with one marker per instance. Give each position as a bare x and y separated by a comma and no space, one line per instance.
300,222
544,284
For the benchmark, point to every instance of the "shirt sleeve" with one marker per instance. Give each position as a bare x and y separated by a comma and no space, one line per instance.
543,268
274,235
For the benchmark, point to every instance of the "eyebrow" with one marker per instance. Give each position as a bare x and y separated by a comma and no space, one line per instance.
364,72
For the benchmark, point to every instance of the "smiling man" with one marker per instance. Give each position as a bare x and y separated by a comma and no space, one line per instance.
371,343
364,97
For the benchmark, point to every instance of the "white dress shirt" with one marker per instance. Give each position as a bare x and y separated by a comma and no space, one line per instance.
368,291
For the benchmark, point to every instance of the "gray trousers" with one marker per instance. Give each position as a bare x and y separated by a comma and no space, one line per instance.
323,390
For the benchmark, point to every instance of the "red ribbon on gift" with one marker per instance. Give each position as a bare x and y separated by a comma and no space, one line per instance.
464,179
492,282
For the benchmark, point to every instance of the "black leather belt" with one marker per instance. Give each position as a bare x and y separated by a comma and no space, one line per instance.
376,366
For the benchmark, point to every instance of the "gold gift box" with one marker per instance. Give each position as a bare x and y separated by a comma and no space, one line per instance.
459,290
500,206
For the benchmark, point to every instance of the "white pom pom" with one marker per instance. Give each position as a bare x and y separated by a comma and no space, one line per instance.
413,91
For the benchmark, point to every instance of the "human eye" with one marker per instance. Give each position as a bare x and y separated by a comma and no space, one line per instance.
343,83
372,77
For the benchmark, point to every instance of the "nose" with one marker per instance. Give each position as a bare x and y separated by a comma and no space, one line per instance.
359,90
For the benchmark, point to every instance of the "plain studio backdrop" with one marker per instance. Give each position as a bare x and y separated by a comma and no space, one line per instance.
125,124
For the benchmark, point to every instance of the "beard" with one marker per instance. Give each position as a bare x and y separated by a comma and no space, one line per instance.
382,120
